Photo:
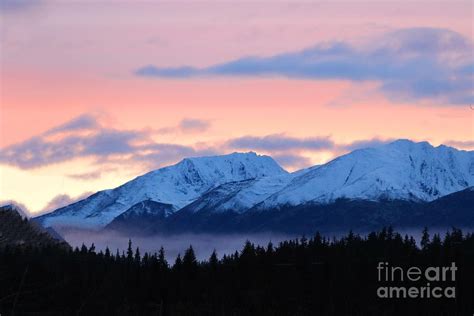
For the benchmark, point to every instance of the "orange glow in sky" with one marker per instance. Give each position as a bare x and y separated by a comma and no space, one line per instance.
65,60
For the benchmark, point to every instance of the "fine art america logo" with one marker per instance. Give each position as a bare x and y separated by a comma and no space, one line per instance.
429,282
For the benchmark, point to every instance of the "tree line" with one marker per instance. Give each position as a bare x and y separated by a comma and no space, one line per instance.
305,276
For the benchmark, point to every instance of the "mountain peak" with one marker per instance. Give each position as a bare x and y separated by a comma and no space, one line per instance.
177,185
409,143
235,156
402,169
406,144
235,166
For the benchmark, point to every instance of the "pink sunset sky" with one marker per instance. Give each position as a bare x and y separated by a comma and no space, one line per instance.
95,93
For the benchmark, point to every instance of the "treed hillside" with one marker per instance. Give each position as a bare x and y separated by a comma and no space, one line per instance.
305,276
18,230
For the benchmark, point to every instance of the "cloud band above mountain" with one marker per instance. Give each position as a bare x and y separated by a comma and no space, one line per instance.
409,64
86,137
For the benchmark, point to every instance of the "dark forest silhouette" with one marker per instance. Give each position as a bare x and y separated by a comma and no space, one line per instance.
305,276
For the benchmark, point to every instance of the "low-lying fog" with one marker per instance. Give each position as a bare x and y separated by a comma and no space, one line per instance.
203,244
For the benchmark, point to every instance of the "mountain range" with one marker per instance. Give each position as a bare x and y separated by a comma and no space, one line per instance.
402,183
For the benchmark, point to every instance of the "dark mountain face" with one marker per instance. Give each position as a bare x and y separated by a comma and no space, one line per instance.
17,230
359,215
456,209
142,216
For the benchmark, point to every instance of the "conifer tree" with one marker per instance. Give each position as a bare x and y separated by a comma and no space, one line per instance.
425,239
213,261
83,249
178,262
107,253
270,248
92,248
129,251
189,259
137,257
162,263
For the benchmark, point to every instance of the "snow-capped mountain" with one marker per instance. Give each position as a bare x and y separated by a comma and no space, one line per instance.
402,170
240,196
177,185
234,184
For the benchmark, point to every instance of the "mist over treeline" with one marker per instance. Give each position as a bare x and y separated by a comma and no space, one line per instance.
311,275
203,244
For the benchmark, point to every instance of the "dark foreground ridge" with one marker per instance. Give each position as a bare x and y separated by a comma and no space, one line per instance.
306,276
17,230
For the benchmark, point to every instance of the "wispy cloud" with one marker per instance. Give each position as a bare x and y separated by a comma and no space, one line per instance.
155,154
39,151
104,144
194,125
467,144
82,122
409,64
292,152
187,125
110,148
293,161
280,142
358,144
86,176
61,200
283,143
17,5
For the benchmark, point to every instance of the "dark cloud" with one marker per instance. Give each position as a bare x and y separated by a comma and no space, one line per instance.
39,151
83,122
280,142
108,142
106,145
44,149
415,63
112,148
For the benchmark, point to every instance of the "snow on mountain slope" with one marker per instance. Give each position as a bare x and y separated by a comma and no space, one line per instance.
399,170
239,196
178,185
147,208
